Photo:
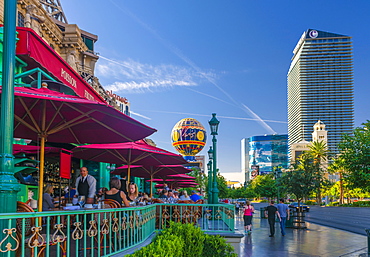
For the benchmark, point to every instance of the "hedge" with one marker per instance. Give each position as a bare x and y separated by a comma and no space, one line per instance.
185,240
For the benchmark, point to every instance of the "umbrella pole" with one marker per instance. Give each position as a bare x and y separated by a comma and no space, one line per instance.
128,174
151,186
41,173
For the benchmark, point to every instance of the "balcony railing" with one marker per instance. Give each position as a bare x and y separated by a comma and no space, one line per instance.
102,232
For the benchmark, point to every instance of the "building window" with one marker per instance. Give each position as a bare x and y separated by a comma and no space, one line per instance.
20,20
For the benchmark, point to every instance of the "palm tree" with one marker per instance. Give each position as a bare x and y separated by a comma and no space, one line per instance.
320,153
338,167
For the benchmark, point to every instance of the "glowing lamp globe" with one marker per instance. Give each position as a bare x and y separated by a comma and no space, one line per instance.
188,137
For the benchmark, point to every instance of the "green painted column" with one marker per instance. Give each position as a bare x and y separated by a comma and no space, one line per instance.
9,186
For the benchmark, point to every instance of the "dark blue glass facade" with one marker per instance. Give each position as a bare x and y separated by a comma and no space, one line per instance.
266,152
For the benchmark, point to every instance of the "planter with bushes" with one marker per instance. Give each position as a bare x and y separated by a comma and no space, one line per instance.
185,240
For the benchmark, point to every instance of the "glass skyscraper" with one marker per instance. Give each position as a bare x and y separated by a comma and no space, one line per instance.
260,154
320,87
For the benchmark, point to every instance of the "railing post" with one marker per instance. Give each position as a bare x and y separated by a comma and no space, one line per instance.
368,241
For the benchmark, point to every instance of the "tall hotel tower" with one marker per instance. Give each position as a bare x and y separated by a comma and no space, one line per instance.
320,87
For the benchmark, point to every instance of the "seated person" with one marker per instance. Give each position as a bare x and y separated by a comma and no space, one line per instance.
184,195
115,193
164,194
101,193
47,201
133,192
194,196
70,193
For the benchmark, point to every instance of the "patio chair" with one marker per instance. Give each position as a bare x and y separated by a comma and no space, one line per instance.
104,233
31,236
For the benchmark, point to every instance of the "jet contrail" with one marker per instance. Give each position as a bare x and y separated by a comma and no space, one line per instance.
220,116
140,115
179,54
262,122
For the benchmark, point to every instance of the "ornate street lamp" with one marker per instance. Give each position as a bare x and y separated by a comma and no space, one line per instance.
213,123
209,166
277,174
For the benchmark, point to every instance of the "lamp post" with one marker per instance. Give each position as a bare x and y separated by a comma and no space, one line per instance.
213,123
209,166
277,174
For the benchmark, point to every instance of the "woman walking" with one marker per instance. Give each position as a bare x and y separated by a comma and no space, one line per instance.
248,214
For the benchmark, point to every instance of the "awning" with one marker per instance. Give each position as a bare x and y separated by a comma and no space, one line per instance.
32,49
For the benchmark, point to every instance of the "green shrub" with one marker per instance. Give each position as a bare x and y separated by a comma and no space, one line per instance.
217,246
163,246
191,235
361,204
310,202
185,240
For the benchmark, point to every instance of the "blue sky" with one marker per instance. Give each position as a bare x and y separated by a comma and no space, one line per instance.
180,59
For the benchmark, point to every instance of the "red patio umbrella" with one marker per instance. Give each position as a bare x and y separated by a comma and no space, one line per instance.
189,184
169,180
131,153
180,176
48,115
33,149
154,171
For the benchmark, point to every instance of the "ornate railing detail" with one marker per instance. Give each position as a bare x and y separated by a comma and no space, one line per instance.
77,232
9,235
93,230
58,235
36,239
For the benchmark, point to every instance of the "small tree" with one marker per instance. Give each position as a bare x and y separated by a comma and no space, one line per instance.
301,180
265,186
355,151
319,152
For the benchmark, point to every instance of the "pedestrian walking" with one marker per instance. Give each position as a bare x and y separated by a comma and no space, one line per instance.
271,212
283,210
248,214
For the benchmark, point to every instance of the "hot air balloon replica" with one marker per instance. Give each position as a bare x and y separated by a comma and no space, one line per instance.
188,137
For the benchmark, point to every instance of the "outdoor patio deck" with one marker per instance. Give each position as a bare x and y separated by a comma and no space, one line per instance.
103,232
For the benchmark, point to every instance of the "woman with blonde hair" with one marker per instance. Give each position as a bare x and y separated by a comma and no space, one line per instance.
184,195
133,192
47,200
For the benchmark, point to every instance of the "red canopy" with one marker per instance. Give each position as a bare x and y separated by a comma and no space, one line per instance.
32,149
71,119
151,172
139,153
36,52
154,171
180,176
48,115
179,184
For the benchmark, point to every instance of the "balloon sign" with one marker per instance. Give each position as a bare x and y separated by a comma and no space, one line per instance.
188,137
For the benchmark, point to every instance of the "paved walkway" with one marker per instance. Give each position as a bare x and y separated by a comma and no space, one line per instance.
316,240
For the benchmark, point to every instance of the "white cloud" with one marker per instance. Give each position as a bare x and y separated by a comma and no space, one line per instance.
135,77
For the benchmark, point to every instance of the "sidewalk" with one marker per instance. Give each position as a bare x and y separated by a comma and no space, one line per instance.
316,240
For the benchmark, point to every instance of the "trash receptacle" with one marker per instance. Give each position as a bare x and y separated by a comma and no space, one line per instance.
289,223
262,212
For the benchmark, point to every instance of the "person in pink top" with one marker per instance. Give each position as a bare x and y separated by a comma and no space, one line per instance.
248,214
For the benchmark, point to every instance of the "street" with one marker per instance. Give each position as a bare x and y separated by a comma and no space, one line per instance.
352,219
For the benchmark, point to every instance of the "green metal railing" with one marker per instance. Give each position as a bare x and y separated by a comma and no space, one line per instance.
102,232
209,217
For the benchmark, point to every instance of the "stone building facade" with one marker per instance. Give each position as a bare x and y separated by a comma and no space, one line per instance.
73,44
